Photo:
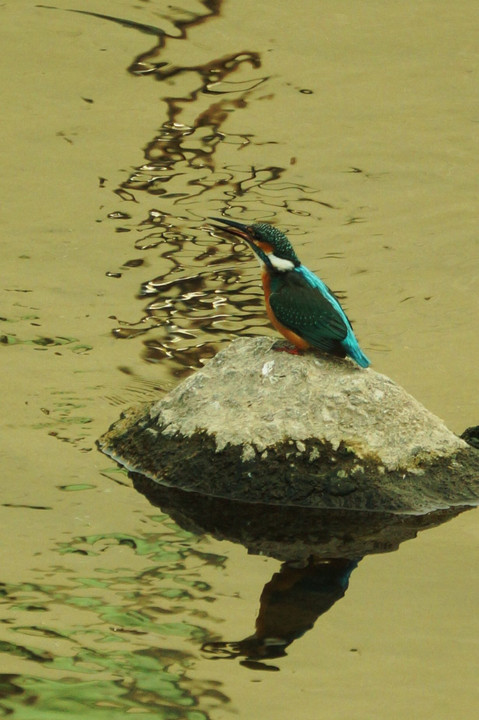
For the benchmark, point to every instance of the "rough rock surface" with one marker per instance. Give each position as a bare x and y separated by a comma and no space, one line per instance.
265,426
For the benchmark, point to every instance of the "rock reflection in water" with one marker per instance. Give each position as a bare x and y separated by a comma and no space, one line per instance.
319,550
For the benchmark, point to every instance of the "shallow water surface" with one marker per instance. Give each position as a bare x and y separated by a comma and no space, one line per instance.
353,127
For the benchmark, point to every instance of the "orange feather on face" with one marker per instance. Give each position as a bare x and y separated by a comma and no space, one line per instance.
264,246
286,332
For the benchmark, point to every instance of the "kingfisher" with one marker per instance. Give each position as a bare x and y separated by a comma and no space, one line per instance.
299,305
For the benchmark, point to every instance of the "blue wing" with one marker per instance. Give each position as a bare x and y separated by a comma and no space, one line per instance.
349,342
304,309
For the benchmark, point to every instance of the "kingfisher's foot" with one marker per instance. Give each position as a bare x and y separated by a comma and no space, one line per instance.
287,347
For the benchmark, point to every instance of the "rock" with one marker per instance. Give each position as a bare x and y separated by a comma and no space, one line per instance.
313,431
471,436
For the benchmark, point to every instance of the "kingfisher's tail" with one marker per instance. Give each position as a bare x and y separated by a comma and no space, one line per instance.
355,352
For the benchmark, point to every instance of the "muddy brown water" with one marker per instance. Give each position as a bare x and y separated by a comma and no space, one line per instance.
353,126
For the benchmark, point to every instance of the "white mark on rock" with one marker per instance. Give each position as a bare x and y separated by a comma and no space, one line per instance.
267,368
326,415
248,453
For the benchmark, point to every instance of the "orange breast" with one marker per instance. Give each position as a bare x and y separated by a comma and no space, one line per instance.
286,332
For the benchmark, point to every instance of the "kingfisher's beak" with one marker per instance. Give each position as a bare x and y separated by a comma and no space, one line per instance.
244,232
235,228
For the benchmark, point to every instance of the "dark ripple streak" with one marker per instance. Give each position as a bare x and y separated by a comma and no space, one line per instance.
209,291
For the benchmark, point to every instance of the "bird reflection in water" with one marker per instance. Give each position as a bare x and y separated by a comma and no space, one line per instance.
290,604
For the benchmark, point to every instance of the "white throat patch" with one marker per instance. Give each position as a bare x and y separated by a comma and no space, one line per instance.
280,264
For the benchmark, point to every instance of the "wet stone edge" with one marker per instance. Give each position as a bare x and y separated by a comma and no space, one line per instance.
306,473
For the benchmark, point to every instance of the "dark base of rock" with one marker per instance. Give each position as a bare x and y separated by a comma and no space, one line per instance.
306,474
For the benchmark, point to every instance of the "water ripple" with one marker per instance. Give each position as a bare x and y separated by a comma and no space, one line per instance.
207,290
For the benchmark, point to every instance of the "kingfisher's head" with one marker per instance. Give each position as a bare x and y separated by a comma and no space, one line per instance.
271,246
